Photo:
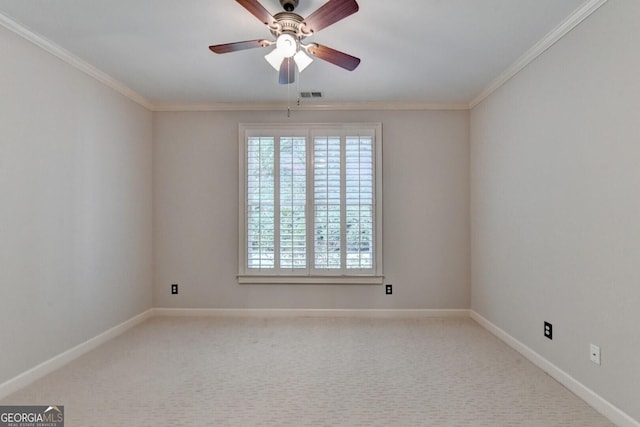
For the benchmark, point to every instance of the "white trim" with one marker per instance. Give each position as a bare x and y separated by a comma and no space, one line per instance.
309,274
56,362
334,106
309,280
289,313
572,21
74,61
597,402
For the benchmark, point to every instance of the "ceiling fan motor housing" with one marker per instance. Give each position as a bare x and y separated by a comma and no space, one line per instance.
289,5
288,22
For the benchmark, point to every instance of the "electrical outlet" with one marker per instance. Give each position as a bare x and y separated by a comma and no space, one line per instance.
594,352
548,330
174,289
389,289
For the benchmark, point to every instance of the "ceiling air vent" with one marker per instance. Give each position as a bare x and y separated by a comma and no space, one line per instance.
310,95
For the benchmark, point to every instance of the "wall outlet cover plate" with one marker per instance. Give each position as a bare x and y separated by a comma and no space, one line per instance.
548,330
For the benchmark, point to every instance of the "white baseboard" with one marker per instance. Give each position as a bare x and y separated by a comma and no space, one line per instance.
56,362
193,312
601,405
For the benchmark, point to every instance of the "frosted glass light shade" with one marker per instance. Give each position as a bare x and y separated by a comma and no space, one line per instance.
275,58
287,45
302,60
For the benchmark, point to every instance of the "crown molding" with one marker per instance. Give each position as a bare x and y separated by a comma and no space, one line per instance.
572,21
73,60
315,106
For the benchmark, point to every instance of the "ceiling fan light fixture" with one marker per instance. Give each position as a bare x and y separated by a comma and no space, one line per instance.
287,47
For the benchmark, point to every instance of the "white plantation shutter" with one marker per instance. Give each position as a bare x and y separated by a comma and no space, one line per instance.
359,184
293,201
343,202
311,204
260,203
327,203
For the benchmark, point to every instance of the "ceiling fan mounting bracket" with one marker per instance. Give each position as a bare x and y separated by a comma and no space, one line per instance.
289,5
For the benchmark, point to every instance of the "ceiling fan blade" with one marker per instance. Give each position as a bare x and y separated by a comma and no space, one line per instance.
256,9
232,47
287,71
336,57
330,13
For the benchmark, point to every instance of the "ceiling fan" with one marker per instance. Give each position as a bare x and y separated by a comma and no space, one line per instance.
289,30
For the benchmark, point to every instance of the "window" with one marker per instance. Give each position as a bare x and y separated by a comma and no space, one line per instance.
310,203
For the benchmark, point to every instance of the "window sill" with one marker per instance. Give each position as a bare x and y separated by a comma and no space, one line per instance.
309,280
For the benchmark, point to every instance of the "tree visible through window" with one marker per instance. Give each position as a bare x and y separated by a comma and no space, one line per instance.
311,200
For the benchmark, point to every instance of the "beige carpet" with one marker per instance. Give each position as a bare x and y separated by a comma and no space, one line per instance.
307,372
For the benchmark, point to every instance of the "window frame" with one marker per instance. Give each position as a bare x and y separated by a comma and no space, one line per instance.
309,275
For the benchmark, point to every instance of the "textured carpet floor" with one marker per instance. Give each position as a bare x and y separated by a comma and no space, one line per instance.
307,372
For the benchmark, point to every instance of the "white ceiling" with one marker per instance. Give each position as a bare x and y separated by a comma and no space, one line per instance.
444,52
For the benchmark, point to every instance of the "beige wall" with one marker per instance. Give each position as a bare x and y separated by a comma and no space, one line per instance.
75,207
555,173
425,210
